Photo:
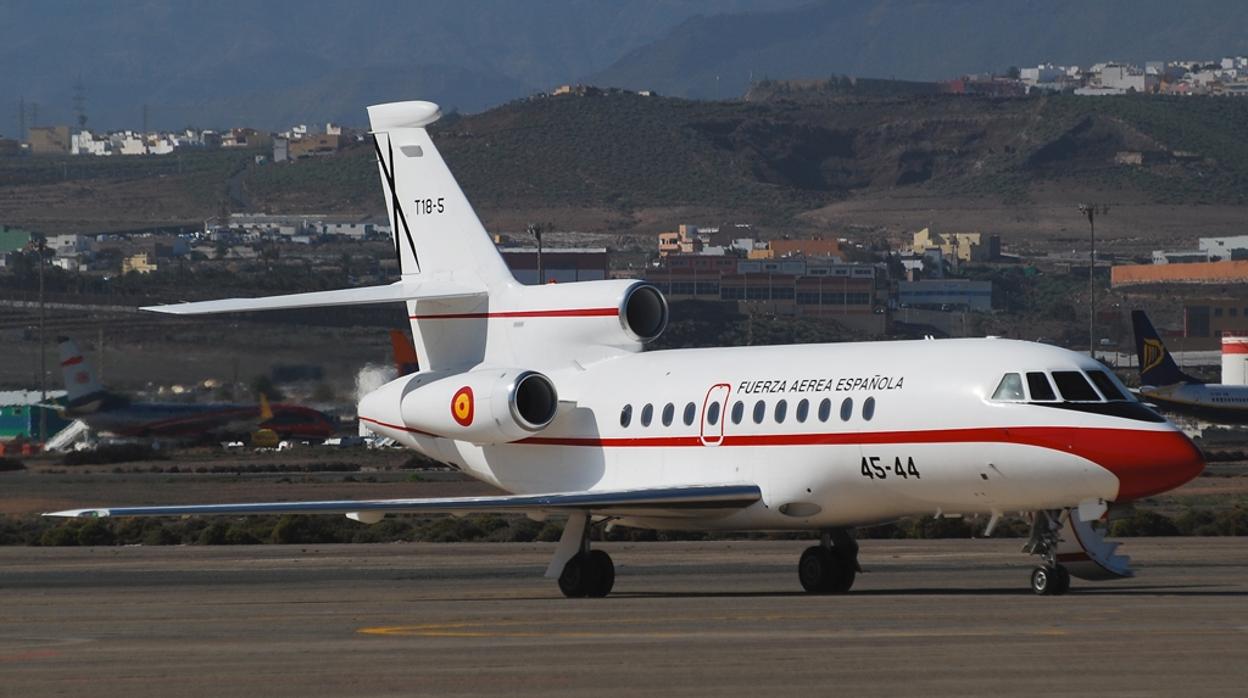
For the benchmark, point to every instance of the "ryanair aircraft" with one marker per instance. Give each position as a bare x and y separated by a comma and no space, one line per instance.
1163,383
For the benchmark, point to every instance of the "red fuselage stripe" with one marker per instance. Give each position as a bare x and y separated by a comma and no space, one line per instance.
399,427
1146,462
570,312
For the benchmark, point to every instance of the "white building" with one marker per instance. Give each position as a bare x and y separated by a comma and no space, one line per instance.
1127,78
68,243
1179,256
1041,73
1218,249
85,143
354,230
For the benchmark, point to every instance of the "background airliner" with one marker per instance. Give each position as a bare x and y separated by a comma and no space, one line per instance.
1162,382
108,412
545,392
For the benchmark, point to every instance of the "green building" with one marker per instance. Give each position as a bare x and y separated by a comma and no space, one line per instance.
13,239
19,415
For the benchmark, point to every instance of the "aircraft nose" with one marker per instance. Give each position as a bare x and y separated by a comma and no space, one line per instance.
1154,462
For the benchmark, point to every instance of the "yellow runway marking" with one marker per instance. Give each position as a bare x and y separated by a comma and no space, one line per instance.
603,628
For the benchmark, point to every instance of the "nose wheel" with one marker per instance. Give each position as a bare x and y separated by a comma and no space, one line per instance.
831,566
1050,580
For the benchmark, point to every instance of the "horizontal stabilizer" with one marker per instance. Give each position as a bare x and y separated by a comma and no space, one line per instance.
364,295
651,502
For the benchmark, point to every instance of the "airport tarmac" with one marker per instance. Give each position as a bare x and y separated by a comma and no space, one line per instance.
928,617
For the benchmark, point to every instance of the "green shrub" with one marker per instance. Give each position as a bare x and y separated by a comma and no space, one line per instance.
64,534
1144,523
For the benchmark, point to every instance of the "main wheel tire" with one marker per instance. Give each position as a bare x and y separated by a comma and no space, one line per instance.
578,577
846,569
814,570
603,574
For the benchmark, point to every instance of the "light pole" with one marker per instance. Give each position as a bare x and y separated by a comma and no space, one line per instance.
39,244
1091,210
536,231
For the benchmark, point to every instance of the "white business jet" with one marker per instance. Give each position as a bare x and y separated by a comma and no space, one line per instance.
545,392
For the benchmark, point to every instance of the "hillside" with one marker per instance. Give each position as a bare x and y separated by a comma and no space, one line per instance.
624,155
818,158
280,62
717,56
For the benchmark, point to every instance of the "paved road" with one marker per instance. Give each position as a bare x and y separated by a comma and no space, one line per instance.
930,617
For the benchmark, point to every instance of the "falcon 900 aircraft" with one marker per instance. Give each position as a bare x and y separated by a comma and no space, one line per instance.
544,392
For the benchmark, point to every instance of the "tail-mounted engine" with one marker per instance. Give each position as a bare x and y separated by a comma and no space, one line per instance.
485,406
574,318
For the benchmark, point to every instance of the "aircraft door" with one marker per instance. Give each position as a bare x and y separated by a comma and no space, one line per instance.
714,414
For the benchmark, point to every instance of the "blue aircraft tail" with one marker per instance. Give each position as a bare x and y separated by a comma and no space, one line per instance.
1157,367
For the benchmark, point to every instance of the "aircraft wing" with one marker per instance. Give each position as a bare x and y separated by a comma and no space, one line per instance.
364,295
658,501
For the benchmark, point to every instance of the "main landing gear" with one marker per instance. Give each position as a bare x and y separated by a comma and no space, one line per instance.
830,567
1049,578
589,574
582,572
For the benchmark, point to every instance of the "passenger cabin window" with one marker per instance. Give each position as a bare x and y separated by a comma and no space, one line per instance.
1106,385
669,411
868,408
825,409
738,412
1074,387
803,410
647,413
1038,384
1010,388
847,409
712,414
691,413
782,409
626,415
760,411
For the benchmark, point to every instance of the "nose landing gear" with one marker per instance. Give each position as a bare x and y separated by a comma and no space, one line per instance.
1050,578
831,566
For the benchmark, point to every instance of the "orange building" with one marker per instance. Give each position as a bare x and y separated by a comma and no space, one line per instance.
807,248
1191,273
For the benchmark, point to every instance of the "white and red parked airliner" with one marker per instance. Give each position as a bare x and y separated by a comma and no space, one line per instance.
544,391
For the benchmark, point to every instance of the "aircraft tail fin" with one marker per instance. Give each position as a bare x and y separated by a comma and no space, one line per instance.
405,361
1157,366
80,382
435,230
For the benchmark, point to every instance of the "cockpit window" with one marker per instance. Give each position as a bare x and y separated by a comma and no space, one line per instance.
1106,385
1038,384
1010,388
1075,387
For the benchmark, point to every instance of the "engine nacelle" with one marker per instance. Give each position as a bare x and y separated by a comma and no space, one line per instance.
620,314
485,406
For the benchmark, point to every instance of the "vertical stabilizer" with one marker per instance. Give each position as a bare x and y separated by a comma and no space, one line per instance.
80,382
1157,367
435,231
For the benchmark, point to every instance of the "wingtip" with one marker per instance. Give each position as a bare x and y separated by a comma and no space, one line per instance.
165,309
78,514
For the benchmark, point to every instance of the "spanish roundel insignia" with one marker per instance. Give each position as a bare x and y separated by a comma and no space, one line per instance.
462,406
